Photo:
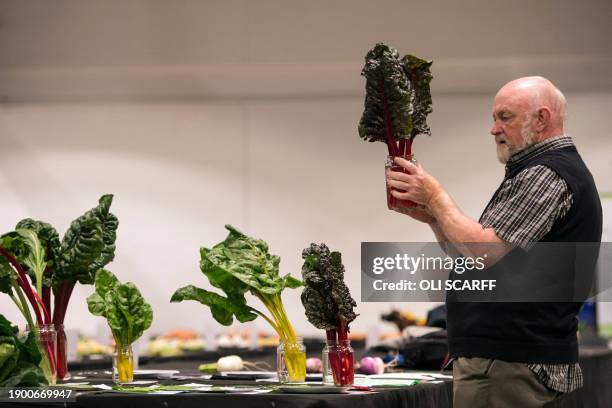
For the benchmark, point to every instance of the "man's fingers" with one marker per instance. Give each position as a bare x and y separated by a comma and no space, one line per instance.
396,175
401,196
400,185
410,167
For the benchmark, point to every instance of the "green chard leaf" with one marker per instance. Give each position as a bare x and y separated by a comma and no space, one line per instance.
34,257
89,244
8,276
49,239
247,260
81,246
110,223
19,358
27,249
237,265
125,310
220,307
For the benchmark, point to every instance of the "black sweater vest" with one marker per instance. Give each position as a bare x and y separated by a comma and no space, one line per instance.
543,332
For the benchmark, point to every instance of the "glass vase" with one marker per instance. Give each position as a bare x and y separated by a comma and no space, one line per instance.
46,340
394,203
123,365
291,361
338,363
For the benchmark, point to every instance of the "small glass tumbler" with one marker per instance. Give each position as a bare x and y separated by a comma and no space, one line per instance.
394,203
123,365
291,361
46,340
338,363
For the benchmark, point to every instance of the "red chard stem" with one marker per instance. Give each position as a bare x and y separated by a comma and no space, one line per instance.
331,335
46,297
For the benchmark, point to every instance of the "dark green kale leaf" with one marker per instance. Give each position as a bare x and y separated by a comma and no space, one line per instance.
419,75
326,298
387,114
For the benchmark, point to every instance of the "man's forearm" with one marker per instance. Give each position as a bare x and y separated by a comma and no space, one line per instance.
453,224
446,246
458,229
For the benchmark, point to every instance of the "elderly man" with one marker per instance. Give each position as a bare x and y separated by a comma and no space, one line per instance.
514,354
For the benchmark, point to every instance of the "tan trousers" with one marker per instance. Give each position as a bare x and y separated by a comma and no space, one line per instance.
486,383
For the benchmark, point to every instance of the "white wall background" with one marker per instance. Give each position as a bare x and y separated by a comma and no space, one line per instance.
290,172
245,113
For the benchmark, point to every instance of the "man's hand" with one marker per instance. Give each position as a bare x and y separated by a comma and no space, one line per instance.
416,184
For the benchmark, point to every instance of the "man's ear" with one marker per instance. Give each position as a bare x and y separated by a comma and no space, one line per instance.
543,116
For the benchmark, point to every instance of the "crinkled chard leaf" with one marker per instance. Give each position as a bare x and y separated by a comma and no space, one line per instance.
419,75
126,312
326,298
237,265
89,244
388,104
398,97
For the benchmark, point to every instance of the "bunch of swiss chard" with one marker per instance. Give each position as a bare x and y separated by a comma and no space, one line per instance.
36,266
397,100
242,264
329,306
126,312
19,358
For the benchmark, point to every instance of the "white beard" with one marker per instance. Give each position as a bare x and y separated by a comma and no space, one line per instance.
506,150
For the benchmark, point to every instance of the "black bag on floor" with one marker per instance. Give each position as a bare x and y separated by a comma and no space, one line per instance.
420,353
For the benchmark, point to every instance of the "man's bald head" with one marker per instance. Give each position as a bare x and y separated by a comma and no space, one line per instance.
526,111
537,92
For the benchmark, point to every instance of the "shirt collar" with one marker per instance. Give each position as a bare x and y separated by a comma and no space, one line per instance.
555,142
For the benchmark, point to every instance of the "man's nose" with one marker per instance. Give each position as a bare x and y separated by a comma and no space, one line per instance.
495,129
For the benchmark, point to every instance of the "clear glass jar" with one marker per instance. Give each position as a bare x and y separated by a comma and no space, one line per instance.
123,365
326,376
338,360
394,203
46,340
61,355
291,361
